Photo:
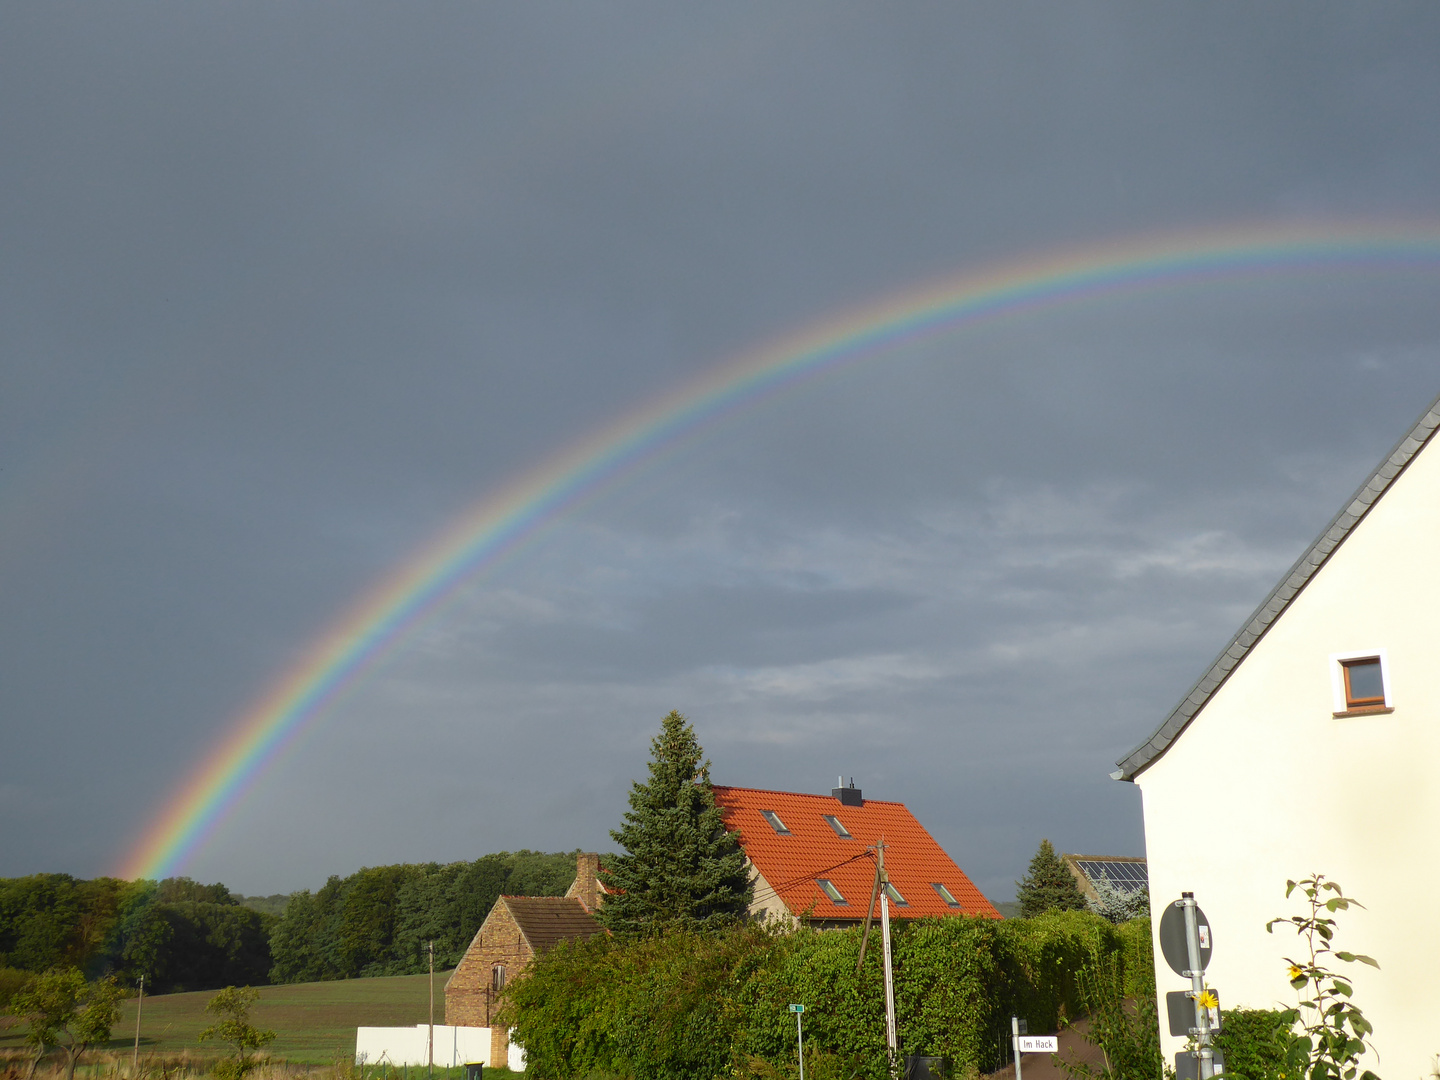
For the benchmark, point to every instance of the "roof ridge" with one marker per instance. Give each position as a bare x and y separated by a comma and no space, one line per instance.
1273,606
800,794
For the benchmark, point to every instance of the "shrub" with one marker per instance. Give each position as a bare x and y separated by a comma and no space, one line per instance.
690,1005
1256,1043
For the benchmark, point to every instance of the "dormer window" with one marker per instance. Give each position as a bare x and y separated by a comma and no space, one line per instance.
775,822
1360,682
840,830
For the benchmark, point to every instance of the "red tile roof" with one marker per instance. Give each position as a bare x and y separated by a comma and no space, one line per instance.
791,863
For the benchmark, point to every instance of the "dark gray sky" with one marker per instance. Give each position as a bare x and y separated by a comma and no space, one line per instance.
288,287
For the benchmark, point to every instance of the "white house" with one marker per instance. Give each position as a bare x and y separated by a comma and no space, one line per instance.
1312,746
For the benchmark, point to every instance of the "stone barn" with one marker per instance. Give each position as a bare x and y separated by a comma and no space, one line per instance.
518,929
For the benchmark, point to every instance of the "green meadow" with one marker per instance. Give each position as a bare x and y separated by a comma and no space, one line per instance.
314,1022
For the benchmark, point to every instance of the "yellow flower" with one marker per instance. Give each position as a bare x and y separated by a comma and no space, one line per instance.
1208,1000
1295,972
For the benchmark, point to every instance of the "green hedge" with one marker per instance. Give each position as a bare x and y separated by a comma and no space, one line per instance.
1255,1043
692,1007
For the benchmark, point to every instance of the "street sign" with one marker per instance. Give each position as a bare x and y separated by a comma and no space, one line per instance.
1180,1008
1172,939
797,1008
1039,1044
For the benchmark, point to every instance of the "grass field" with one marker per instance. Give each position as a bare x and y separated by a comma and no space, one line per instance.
315,1022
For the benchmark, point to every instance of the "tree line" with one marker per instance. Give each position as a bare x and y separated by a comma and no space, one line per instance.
183,935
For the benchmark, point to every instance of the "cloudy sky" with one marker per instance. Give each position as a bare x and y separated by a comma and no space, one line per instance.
287,288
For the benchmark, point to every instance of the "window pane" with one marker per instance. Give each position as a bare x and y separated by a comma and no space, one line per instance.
1364,679
828,887
894,895
945,894
840,830
775,822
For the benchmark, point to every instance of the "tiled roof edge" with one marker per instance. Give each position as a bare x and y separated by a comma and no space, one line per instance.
1274,605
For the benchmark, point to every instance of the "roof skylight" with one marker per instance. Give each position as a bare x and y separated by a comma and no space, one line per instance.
945,894
840,830
775,822
828,888
894,895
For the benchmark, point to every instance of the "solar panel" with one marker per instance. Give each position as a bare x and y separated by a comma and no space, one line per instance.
1126,875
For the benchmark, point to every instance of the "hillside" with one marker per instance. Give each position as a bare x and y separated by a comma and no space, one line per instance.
315,1022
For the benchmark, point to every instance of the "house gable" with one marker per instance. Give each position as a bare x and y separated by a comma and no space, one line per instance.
1280,598
1280,778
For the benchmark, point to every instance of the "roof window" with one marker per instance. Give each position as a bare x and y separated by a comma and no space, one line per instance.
775,822
1361,683
828,888
894,895
840,830
945,894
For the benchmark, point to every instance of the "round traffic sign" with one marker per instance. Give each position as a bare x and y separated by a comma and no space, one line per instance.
1172,938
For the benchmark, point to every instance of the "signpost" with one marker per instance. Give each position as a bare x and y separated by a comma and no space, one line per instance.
1186,943
1026,1043
799,1037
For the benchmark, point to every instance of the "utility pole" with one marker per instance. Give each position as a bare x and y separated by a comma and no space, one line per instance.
139,1004
432,1009
890,1040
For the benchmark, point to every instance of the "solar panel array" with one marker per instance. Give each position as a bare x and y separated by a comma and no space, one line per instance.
1129,876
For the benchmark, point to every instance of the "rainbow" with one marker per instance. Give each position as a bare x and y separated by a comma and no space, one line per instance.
507,518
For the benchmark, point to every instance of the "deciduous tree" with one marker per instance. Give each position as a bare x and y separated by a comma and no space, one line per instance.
232,1006
62,1009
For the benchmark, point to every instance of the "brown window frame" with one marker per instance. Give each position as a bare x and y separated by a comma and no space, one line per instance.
1353,702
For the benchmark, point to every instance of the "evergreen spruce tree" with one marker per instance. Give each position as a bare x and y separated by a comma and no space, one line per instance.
680,868
1049,886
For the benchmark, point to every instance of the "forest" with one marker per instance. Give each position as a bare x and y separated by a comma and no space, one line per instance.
183,935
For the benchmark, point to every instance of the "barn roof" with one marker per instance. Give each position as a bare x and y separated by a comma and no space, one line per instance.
547,920
1274,605
810,849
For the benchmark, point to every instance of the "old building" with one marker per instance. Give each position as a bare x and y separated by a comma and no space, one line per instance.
518,929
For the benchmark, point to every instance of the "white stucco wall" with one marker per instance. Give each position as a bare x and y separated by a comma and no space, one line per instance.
406,1045
1266,784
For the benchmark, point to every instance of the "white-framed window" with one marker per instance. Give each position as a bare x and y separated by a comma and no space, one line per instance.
829,889
1360,682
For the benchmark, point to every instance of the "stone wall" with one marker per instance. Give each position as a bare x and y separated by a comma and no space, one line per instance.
469,999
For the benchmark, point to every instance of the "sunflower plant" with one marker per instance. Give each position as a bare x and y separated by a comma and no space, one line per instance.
1330,1029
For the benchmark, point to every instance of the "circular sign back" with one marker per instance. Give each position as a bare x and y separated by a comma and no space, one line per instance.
1172,938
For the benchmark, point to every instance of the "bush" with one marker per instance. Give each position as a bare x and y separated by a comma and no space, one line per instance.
1255,1043
689,1005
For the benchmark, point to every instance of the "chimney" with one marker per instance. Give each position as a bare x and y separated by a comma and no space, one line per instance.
848,796
587,880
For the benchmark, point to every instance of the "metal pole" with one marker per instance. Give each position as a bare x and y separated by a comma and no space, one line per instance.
800,1042
1015,1043
432,1009
1197,986
890,1039
139,1004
